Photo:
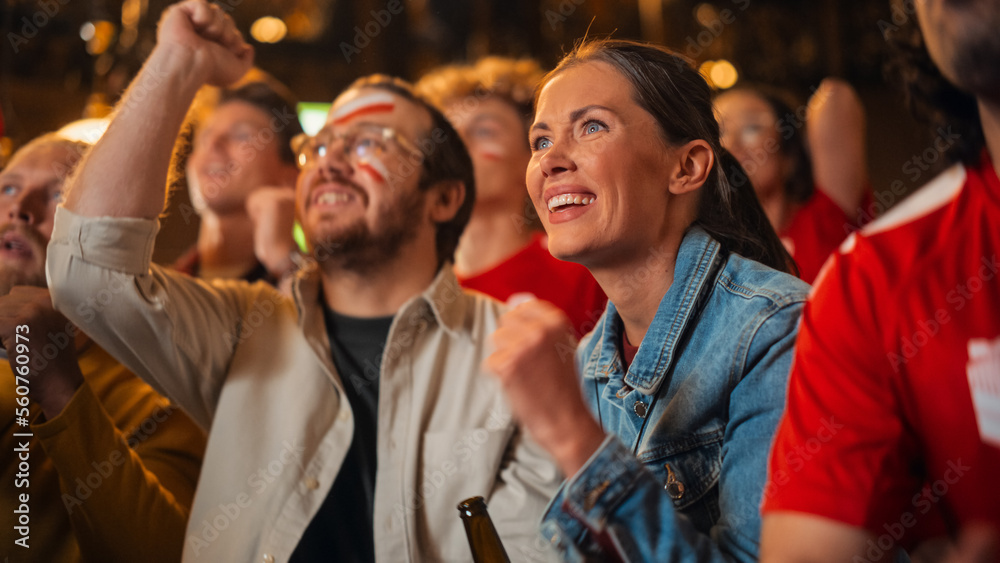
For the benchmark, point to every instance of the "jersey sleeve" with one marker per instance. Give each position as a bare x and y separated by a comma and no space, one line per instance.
842,450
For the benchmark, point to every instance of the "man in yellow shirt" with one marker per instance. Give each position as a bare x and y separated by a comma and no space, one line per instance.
98,466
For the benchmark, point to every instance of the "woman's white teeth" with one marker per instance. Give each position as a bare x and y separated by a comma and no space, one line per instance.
333,197
569,199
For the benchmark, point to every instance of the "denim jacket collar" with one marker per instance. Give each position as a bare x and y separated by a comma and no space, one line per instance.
698,260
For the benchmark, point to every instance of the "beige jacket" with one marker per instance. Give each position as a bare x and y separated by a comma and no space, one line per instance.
254,367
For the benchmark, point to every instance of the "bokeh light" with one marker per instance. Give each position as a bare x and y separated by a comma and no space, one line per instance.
723,74
268,29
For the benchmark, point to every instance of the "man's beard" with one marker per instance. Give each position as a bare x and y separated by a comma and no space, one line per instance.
12,275
975,62
358,249
965,34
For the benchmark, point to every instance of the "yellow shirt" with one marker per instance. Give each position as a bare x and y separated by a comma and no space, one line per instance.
92,497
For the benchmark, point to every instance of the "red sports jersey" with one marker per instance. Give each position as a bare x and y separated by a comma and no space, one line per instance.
893,415
815,232
533,270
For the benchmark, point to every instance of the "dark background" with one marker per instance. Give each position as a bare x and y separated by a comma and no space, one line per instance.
49,75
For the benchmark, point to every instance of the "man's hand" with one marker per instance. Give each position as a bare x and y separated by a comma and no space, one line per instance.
534,364
210,35
54,384
272,210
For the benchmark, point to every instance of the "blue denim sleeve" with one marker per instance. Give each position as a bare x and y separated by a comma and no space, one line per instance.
615,505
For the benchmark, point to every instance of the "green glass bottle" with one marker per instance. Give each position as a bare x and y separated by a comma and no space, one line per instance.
483,538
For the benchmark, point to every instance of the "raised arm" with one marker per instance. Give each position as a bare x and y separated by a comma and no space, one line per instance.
124,174
835,132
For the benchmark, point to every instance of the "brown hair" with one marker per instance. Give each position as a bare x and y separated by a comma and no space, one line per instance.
276,101
798,184
667,86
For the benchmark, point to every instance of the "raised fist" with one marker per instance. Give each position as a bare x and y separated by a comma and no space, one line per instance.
208,35
534,363
272,210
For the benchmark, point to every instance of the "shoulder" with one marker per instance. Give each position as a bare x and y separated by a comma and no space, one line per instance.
887,251
928,199
461,310
755,305
256,296
759,285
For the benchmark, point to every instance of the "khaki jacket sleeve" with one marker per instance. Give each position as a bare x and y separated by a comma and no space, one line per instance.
128,497
526,480
177,333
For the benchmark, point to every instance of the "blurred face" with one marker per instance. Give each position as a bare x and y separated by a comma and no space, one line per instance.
358,194
962,39
749,130
494,134
596,175
30,189
234,153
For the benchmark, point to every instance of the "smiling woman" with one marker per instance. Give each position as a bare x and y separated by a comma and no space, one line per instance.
691,358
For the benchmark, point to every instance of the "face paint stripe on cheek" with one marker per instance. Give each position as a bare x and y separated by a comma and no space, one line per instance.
491,151
365,105
375,168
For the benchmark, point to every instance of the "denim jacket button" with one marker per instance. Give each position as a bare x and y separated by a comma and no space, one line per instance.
673,486
640,409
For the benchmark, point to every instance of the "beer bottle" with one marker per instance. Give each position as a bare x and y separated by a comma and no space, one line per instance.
483,539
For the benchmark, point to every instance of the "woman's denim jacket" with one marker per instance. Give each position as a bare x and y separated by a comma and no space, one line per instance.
681,475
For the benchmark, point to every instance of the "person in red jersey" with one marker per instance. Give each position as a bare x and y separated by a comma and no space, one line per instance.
504,251
811,195
891,437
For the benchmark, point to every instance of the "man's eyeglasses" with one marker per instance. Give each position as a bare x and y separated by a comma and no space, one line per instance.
361,142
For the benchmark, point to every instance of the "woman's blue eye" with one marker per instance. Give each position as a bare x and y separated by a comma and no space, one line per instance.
8,189
592,127
542,143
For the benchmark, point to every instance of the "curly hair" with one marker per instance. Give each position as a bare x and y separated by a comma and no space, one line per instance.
928,94
511,80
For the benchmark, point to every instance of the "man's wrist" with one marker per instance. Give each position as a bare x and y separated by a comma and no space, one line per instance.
178,63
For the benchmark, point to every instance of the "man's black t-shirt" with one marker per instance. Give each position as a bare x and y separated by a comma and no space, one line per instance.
342,530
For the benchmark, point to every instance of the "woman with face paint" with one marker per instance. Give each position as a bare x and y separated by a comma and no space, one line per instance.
503,250
683,378
813,196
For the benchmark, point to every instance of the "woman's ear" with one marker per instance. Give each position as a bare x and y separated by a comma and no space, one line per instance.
444,199
692,163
